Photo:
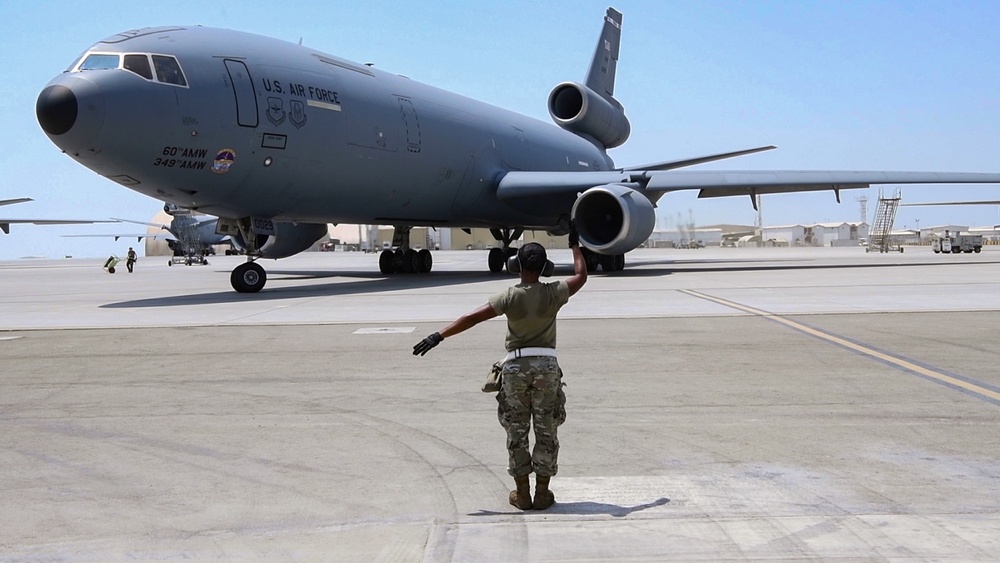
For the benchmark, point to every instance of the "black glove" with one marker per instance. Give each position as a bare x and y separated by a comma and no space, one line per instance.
426,344
574,235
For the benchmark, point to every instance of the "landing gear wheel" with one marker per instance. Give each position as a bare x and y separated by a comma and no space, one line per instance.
425,261
496,260
111,270
387,262
248,278
613,263
591,259
410,263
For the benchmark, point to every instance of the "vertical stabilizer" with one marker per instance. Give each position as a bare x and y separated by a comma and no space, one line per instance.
601,78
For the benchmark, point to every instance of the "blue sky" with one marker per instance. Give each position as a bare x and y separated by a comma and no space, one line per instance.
835,85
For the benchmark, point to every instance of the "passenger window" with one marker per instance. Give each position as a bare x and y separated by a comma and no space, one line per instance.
167,70
138,64
99,62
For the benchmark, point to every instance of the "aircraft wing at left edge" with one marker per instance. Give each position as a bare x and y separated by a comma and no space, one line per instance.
6,223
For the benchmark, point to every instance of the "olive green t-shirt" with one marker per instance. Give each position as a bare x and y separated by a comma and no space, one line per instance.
531,313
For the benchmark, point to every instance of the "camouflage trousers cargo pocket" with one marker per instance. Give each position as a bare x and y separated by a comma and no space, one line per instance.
531,384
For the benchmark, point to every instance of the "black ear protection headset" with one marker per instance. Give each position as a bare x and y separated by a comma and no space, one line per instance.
514,263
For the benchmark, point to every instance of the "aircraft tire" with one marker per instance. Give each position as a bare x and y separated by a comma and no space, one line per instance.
387,262
592,259
248,278
425,261
111,270
496,260
411,265
618,263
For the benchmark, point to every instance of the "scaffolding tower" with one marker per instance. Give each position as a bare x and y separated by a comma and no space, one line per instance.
880,238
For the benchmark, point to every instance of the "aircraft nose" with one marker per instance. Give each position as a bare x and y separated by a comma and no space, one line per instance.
56,109
71,111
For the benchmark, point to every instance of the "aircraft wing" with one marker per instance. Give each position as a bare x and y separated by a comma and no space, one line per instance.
117,236
6,223
16,200
517,184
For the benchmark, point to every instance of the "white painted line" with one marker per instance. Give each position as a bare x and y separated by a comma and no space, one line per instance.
385,330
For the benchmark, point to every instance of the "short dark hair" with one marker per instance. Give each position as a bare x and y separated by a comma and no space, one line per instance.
532,257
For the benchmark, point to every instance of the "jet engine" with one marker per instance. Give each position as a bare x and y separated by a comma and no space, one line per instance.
288,239
579,109
613,219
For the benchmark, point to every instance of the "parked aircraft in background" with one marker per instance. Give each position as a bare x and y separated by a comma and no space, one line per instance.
988,202
6,223
192,237
994,202
278,140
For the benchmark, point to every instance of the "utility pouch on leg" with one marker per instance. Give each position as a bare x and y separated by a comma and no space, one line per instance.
495,379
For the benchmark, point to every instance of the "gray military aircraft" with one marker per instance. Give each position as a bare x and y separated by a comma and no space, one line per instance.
278,140
192,236
6,223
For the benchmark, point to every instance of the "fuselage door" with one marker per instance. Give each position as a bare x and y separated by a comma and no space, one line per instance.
246,97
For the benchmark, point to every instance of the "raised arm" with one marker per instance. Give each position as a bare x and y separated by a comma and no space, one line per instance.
579,277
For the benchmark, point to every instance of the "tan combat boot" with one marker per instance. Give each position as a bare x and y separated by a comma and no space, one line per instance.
521,497
543,496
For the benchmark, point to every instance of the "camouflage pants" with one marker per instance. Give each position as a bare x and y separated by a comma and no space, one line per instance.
532,394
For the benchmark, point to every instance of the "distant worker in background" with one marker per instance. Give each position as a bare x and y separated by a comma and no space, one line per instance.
531,388
130,259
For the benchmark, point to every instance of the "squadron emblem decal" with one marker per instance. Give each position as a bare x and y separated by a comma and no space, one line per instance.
223,161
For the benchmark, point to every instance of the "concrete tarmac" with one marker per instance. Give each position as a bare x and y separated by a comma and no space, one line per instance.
723,404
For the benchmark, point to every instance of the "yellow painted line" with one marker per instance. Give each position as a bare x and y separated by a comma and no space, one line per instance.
935,375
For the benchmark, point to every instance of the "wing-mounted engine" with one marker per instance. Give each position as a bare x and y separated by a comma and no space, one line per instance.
287,239
577,108
613,219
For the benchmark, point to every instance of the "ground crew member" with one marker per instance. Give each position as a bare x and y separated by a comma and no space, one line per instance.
531,391
130,259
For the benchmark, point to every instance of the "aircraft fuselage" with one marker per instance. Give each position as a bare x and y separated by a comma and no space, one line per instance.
258,127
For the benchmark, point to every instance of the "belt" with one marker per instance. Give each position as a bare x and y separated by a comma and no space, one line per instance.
524,352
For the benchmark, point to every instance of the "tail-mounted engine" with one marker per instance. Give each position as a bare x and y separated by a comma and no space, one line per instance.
613,219
576,108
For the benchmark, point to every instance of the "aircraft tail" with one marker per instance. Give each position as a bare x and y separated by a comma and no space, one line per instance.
601,77
591,110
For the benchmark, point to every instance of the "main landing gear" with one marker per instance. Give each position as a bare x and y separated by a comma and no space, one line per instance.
608,263
404,260
250,276
498,256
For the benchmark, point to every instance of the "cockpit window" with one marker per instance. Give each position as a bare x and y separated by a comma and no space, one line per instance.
155,68
138,64
167,70
97,61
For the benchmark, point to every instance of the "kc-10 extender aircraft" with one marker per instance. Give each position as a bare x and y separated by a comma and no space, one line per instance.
277,140
192,236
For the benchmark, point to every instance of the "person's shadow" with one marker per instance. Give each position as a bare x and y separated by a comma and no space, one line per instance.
584,508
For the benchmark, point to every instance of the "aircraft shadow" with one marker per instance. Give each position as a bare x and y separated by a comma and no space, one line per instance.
586,508
375,282
366,283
